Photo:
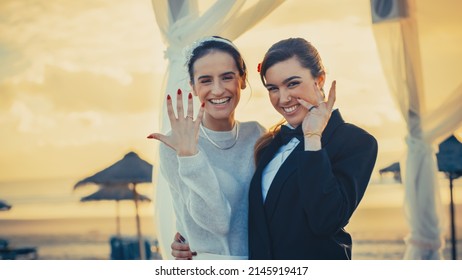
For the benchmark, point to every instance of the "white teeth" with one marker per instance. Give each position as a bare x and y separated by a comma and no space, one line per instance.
220,101
290,109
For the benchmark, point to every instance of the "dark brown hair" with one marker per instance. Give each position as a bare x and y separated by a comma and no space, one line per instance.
208,46
308,57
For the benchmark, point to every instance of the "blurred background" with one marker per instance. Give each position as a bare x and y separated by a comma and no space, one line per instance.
80,87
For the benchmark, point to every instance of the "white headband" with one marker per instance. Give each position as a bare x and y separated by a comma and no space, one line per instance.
188,51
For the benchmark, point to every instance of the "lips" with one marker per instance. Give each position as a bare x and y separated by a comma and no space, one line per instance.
220,101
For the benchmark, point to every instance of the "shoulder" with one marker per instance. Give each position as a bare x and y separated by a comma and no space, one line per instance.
253,126
354,135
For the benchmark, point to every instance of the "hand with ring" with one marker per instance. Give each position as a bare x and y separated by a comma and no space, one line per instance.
319,113
185,130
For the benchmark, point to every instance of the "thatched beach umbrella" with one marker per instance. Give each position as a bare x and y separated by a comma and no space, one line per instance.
392,168
115,192
4,206
130,170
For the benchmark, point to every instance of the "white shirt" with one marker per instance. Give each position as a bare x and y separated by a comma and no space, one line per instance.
273,167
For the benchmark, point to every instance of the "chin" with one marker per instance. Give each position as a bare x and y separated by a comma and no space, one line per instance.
293,121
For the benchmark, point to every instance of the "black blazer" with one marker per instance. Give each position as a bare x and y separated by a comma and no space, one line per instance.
312,196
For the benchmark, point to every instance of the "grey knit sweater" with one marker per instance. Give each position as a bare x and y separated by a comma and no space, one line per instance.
210,190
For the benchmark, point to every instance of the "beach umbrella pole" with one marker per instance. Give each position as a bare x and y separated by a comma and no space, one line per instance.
138,227
118,219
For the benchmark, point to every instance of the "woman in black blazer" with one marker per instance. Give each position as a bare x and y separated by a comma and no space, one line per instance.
311,172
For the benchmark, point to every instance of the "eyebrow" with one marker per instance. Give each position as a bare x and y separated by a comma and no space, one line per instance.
221,75
285,81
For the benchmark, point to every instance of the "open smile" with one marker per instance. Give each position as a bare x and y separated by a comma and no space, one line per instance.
291,109
220,101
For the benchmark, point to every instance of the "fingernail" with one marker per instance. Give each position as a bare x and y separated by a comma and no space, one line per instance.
150,136
179,91
194,254
182,238
190,96
168,97
203,104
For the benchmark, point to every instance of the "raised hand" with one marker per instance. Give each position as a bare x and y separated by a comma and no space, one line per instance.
319,113
185,130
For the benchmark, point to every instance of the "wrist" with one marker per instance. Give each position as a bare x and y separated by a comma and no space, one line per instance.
312,142
310,134
186,153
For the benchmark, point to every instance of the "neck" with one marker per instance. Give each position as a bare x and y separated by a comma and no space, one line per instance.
218,125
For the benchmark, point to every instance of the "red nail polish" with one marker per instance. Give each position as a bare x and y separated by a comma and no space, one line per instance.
179,91
168,97
203,104
150,137
190,96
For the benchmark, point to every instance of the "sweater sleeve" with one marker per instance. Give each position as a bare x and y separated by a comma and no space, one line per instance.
195,182
334,185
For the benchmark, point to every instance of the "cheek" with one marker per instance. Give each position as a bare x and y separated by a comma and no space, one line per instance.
274,99
199,92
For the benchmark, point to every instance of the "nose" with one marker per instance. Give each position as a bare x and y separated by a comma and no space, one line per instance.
217,88
284,96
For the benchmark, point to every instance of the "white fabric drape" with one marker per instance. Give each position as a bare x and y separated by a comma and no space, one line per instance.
181,24
399,50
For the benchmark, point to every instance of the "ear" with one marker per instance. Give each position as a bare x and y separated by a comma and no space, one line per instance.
243,81
193,89
321,80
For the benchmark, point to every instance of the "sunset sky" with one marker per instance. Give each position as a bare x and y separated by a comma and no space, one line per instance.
80,81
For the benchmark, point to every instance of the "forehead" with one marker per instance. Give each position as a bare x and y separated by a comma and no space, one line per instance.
288,68
215,61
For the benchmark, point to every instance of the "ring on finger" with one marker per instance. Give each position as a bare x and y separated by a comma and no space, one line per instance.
189,117
312,107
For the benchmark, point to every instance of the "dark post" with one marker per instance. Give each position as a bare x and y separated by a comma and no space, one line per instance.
453,226
449,161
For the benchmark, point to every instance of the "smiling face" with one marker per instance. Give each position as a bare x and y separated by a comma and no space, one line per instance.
218,84
286,81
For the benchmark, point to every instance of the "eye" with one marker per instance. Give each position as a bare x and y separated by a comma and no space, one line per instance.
228,77
205,81
272,89
293,84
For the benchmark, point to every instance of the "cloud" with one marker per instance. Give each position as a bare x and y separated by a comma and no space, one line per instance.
63,90
80,36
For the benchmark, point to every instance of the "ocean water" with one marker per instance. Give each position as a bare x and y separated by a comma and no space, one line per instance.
48,215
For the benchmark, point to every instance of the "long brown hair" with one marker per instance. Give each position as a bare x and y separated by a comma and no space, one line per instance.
308,57
265,139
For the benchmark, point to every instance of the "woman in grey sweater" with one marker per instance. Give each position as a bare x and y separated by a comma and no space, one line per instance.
199,155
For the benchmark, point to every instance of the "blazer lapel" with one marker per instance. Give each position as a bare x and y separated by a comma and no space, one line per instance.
334,121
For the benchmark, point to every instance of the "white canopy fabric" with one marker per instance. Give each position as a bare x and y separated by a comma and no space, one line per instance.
430,116
181,23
